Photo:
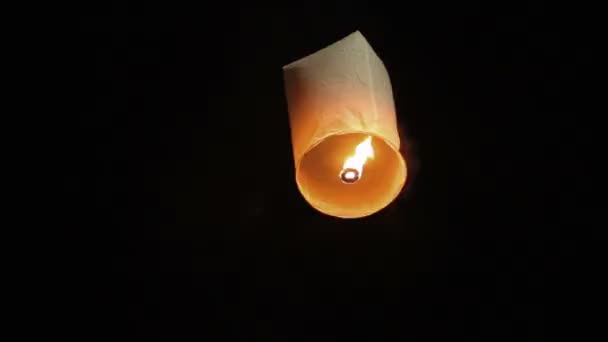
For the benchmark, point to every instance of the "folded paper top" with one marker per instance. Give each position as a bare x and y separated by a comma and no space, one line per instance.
341,88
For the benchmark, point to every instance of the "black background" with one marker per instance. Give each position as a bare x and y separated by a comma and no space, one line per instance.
187,219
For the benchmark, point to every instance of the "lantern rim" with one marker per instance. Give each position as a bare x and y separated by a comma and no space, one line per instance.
318,204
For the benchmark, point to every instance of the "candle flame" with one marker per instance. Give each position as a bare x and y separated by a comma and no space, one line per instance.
352,170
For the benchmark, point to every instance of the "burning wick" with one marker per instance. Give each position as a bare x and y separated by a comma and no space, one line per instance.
352,170
349,175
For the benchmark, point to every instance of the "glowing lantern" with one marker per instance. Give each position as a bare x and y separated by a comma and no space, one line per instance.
344,130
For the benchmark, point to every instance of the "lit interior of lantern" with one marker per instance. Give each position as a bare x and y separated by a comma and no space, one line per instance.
385,175
352,170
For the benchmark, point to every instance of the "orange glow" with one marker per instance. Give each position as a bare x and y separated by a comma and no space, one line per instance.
340,99
363,151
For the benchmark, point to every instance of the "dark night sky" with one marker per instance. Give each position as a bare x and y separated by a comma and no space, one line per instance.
179,101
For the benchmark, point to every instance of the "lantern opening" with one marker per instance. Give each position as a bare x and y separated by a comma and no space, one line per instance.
350,195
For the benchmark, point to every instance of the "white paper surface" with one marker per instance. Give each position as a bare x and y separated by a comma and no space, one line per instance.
341,88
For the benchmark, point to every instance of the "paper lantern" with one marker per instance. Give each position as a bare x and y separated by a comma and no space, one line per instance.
344,129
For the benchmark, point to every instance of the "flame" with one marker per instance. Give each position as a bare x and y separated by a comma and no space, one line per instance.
363,151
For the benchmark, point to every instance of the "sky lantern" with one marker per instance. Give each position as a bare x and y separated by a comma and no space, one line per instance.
344,129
